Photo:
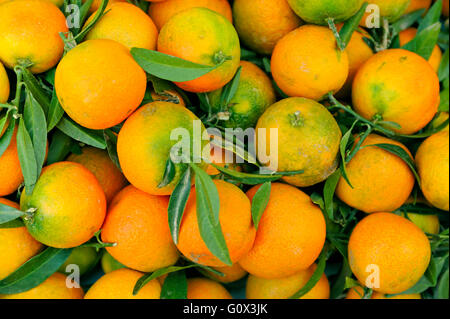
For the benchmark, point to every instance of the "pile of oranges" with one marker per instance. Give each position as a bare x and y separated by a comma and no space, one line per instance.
93,204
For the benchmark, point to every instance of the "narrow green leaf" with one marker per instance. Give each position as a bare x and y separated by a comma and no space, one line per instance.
27,158
82,134
237,147
175,286
169,173
260,202
177,203
168,67
230,89
328,192
35,271
36,89
16,223
8,213
351,26
209,201
424,42
443,287
433,15
343,151
59,148
98,15
444,66
5,139
337,289
55,112
111,146
406,21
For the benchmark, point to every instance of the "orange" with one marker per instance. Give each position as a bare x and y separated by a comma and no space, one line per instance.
126,24
358,53
235,221
99,84
96,4
98,162
16,246
108,263
204,37
145,143
137,223
262,23
390,9
307,63
4,84
85,258
386,86
67,206
168,96
388,252
119,284
318,11
381,180
358,292
429,223
54,287
161,12
435,58
30,34
432,160
418,4
230,273
10,169
202,288
290,236
308,140
284,288
254,95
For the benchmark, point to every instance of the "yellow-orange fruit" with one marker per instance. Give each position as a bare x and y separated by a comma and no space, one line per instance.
357,292
418,4
4,84
230,273
202,288
10,169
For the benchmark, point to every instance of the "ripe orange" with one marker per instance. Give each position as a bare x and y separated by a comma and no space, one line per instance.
16,246
418,4
358,292
290,236
119,284
30,34
96,4
435,58
390,9
161,12
381,180
10,167
205,37
388,252
308,140
230,273
126,24
432,160
97,161
137,223
262,23
235,220
67,206
4,84
145,143
202,288
387,84
99,84
53,288
283,288
318,11
307,63
254,95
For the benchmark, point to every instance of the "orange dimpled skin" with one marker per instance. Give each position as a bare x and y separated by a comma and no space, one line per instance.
99,84
68,206
4,84
202,288
307,63
387,86
30,34
262,23
97,161
161,12
205,37
235,220
126,24
418,4
381,180
388,252
10,170
137,223
290,236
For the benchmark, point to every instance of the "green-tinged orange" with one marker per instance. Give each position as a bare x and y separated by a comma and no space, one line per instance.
108,263
85,258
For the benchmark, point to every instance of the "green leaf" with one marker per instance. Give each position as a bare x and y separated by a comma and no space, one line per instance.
424,42
444,67
5,139
8,213
343,151
145,279
36,89
168,67
169,173
175,286
55,112
208,207
82,134
27,157
328,192
35,271
406,21
433,15
315,277
98,15
160,86
400,152
260,201
229,91
111,146
16,223
36,125
351,26
339,285
59,148
443,287
177,203
237,147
